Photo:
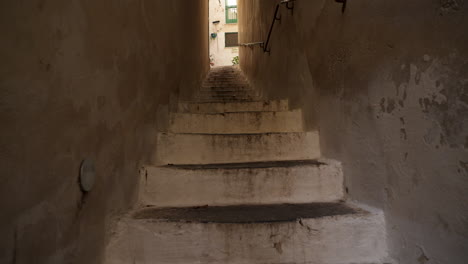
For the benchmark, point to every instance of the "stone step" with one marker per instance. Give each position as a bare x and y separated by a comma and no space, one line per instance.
237,123
225,80
214,149
226,92
229,76
255,106
223,87
215,71
220,92
225,75
246,95
231,87
332,233
237,184
225,99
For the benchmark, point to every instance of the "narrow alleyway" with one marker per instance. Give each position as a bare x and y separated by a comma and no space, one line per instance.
340,136
238,180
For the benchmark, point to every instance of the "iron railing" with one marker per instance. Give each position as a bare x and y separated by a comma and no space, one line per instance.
264,45
289,4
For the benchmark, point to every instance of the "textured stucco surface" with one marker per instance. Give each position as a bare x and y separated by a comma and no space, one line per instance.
386,83
85,79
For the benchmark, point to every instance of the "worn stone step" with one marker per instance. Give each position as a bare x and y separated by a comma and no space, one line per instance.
236,86
254,106
237,123
226,99
232,76
221,94
225,80
227,92
214,149
242,183
330,233
213,97
229,89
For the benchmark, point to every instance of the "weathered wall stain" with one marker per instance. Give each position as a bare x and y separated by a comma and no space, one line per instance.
390,104
84,79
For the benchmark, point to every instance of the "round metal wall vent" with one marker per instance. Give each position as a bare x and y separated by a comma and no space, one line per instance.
87,175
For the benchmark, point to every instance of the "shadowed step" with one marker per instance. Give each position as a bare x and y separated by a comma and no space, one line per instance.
303,233
230,107
237,123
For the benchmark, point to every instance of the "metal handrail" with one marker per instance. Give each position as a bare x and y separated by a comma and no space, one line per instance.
275,18
265,44
252,44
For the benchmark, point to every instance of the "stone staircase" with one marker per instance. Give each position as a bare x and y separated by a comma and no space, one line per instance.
224,84
240,181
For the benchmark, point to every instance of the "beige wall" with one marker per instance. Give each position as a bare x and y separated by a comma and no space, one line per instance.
220,54
84,79
386,85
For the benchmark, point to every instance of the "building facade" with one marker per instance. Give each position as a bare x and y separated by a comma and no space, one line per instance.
223,31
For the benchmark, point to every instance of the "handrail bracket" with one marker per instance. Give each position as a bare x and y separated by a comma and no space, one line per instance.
289,4
344,2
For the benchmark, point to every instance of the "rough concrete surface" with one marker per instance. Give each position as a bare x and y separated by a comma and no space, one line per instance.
236,148
336,239
85,79
250,183
385,82
245,214
232,107
237,123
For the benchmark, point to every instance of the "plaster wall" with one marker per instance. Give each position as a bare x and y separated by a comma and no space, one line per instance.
386,84
220,54
85,79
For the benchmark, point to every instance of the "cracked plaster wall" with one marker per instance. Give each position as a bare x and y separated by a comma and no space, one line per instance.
386,83
84,79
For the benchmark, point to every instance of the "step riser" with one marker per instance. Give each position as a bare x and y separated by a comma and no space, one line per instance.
215,98
213,149
168,187
222,88
230,77
225,92
214,95
231,80
237,123
329,240
225,100
281,105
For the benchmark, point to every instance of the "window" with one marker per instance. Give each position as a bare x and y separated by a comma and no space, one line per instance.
231,11
232,39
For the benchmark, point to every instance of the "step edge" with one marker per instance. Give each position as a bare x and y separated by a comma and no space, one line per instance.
316,163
